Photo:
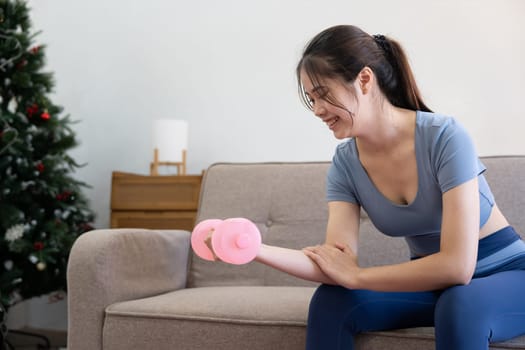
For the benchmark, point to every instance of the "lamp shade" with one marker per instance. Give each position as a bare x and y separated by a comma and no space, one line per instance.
170,137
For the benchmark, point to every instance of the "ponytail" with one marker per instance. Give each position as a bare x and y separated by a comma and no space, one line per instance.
401,89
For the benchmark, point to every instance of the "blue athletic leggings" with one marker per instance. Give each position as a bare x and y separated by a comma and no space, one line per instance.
467,317
489,309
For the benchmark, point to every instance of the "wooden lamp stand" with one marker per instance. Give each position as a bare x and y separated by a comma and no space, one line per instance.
154,166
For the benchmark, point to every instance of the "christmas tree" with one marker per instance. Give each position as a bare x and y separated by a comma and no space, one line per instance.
42,208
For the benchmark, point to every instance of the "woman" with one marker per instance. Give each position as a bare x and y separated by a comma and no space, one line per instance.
417,175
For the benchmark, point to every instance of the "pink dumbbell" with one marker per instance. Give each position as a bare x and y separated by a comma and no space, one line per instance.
235,241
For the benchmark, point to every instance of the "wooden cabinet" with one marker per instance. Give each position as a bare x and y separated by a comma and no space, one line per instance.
154,202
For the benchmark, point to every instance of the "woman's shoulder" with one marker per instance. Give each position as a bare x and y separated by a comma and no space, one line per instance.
346,155
442,136
435,126
433,120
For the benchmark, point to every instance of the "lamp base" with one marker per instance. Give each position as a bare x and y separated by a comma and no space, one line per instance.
154,166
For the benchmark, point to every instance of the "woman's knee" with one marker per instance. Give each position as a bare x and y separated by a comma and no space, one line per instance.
333,304
327,299
324,325
459,313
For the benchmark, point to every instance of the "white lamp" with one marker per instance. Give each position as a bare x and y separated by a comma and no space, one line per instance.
170,142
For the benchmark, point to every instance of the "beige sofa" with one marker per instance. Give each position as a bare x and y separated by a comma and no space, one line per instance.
144,289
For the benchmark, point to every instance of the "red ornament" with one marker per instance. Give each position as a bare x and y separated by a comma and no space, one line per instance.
40,167
21,64
35,49
38,246
45,116
31,110
64,195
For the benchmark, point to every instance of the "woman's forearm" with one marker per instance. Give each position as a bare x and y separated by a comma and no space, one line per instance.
293,262
433,272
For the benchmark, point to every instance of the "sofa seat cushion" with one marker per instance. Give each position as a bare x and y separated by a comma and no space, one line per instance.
242,304
238,317
211,317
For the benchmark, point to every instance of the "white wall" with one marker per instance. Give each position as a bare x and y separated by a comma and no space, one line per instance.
228,68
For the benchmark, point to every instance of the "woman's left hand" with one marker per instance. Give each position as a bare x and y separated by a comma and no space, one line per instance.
337,261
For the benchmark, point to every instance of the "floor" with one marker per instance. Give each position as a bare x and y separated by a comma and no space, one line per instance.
35,339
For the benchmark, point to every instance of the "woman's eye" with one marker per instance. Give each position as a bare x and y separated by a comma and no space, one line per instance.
322,93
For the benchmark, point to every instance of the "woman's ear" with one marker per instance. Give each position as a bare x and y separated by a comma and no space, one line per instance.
365,79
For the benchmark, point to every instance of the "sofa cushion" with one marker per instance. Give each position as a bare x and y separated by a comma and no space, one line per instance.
285,201
211,317
241,304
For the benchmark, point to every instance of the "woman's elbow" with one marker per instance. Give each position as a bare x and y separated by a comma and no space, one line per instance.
464,279
456,270
461,274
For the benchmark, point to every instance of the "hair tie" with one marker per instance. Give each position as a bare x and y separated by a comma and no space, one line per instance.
381,40
384,45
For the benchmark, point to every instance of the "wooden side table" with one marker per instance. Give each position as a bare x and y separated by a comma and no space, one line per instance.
154,202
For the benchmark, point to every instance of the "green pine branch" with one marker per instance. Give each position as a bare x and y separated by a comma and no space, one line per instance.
43,209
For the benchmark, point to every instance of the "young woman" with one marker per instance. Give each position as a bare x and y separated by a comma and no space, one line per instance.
417,175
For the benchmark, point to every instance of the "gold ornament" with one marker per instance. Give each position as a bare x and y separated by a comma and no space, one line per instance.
41,266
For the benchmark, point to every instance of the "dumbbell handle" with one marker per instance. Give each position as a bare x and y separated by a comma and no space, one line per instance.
200,234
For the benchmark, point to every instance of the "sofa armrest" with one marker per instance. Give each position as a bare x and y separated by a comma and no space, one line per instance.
106,266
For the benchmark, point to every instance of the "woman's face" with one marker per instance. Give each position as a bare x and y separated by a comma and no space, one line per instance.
332,101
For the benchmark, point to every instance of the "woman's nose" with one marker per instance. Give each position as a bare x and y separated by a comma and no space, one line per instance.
319,109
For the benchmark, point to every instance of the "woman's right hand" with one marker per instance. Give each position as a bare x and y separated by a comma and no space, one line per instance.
208,243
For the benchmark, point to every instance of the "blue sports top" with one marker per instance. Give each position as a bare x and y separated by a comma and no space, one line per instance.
445,156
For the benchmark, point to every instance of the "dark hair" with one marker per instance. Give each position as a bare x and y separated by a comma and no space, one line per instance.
342,51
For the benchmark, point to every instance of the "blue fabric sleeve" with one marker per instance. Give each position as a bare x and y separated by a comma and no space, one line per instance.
338,181
456,160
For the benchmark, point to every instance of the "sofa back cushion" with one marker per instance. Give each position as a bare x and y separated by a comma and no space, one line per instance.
287,203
